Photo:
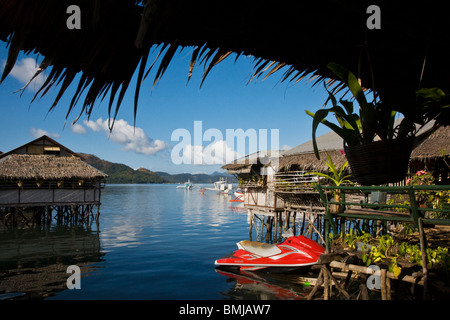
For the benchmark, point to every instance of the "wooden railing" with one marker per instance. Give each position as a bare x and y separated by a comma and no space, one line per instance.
394,209
408,211
295,181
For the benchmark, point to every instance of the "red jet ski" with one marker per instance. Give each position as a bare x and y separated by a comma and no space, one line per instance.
293,253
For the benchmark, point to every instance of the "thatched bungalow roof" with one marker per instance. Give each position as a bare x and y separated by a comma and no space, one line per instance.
327,141
299,38
308,162
302,157
37,147
433,146
251,163
46,167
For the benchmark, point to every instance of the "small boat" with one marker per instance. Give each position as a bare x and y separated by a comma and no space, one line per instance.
186,185
222,186
295,252
239,194
239,197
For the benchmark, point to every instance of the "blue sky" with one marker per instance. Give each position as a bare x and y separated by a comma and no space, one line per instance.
225,101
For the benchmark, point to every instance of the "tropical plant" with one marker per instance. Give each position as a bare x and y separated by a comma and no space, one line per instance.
337,176
375,250
374,118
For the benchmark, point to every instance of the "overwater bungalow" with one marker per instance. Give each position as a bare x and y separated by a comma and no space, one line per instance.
292,181
43,176
277,186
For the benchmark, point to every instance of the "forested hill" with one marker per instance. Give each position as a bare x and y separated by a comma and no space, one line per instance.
121,173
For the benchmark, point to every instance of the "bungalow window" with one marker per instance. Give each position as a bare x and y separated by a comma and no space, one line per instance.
52,150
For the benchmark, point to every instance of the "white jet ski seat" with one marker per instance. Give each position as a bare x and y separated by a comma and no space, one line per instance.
259,248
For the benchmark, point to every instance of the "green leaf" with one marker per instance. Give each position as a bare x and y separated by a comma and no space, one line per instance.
396,270
349,135
351,81
435,94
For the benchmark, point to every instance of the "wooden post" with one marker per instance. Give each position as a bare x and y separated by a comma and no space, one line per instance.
326,283
303,223
275,216
293,221
340,288
262,227
251,225
316,286
388,288
364,293
383,284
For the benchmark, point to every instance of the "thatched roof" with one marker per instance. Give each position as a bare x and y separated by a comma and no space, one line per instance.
308,162
252,161
42,142
297,37
434,145
327,141
46,167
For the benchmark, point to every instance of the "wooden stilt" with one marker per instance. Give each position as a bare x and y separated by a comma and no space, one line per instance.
383,284
363,291
326,283
316,286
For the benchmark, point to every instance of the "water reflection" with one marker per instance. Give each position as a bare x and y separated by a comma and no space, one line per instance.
262,286
34,261
152,242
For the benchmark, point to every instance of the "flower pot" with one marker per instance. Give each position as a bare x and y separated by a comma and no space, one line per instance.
335,208
380,162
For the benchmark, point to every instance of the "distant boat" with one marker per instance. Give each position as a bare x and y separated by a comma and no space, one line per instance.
239,194
222,186
186,185
239,197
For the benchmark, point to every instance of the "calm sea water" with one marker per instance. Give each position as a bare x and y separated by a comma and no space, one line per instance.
152,242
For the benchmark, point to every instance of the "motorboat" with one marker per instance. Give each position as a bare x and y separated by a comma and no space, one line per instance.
293,253
239,194
221,186
239,197
186,185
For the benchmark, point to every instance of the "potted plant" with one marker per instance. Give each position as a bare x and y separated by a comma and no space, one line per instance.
378,151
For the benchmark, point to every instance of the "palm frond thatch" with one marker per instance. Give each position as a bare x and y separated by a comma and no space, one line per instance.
297,38
308,162
46,167
434,146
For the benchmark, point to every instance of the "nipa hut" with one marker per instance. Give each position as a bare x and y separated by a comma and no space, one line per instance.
433,155
293,180
255,174
302,157
43,176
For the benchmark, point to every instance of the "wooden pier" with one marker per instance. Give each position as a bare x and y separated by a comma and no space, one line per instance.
343,272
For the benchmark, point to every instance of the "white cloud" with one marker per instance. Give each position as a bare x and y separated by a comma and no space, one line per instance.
78,128
24,70
132,138
215,153
37,133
